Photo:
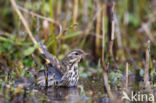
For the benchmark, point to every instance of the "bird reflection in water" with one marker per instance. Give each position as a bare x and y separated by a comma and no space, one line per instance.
63,94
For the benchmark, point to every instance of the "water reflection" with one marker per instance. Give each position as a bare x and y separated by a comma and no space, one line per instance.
63,94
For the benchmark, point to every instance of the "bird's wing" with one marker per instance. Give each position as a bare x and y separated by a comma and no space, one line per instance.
50,74
65,79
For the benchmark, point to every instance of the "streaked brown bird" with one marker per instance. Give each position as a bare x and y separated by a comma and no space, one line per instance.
60,72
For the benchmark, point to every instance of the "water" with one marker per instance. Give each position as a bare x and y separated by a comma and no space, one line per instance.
89,90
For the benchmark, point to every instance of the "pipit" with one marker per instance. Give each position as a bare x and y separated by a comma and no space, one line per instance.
60,72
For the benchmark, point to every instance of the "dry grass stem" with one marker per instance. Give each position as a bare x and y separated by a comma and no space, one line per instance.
98,27
75,13
103,30
42,17
146,71
127,68
105,68
105,77
24,23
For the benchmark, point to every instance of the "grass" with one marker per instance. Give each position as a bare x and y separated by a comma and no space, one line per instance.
85,25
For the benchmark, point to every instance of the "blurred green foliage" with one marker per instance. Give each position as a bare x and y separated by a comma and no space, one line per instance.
16,48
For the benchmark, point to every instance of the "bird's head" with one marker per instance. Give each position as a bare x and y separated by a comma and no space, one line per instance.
75,56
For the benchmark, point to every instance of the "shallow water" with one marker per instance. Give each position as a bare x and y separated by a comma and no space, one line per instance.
89,90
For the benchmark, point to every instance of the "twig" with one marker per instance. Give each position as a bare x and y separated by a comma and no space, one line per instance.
41,17
110,8
24,23
146,72
103,29
126,86
111,28
105,69
105,77
98,27
75,13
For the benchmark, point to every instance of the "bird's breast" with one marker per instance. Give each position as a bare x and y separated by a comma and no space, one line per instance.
74,76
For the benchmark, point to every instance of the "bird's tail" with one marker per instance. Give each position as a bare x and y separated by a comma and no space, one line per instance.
27,82
48,57
45,55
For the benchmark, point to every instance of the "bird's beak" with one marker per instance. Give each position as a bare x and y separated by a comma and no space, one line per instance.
85,54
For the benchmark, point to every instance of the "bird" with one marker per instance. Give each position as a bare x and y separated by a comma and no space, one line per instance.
60,72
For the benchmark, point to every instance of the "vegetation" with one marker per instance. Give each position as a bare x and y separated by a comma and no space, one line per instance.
120,37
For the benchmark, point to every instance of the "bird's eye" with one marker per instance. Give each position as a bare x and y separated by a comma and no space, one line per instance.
76,54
